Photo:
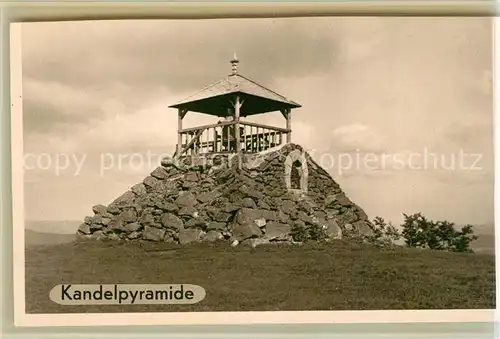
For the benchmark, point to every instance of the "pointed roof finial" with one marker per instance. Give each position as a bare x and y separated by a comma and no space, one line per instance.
234,64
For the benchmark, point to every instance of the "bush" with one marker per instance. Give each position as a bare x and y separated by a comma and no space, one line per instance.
384,234
420,232
299,233
316,233
304,234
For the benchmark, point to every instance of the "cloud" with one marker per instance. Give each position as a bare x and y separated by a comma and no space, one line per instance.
350,129
116,128
377,85
48,105
78,71
168,52
359,138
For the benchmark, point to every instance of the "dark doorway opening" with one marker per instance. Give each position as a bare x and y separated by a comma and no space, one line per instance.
295,175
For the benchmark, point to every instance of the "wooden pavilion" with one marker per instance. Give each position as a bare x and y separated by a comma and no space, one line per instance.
233,98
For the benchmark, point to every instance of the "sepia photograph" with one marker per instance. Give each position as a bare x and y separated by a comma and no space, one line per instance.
251,165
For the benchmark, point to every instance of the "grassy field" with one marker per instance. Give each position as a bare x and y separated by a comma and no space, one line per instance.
336,276
33,238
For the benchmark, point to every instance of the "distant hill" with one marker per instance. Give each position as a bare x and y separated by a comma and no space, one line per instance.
53,226
486,239
34,238
484,244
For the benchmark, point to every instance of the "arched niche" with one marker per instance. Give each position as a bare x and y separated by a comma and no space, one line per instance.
296,160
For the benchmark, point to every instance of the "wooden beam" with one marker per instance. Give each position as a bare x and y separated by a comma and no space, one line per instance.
225,123
237,106
278,129
194,129
191,143
287,113
289,127
284,112
180,115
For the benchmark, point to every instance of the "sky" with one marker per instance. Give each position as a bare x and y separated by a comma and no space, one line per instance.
397,110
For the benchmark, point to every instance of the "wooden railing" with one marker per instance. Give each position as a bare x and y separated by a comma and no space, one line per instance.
221,138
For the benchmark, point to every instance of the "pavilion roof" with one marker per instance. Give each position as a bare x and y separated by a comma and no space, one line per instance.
217,98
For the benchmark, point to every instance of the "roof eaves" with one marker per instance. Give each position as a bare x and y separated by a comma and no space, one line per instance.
186,99
270,90
233,89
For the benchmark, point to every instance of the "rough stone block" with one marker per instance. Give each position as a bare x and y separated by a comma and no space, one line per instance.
153,233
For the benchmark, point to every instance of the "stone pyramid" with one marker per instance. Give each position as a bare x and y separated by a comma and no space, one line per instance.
280,195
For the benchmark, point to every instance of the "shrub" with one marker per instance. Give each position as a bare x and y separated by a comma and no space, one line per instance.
384,234
420,232
299,233
304,234
316,233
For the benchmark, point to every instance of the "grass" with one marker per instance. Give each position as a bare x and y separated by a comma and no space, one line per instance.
335,276
34,238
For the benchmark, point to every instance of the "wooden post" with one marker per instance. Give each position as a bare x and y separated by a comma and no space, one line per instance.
237,106
180,115
287,113
179,135
289,126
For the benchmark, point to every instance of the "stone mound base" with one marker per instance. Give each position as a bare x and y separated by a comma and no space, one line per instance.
185,203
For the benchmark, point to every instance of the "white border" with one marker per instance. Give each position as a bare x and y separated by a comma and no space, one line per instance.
243,318
496,154
16,116
183,318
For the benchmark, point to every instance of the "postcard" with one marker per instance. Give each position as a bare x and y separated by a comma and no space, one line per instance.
242,171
